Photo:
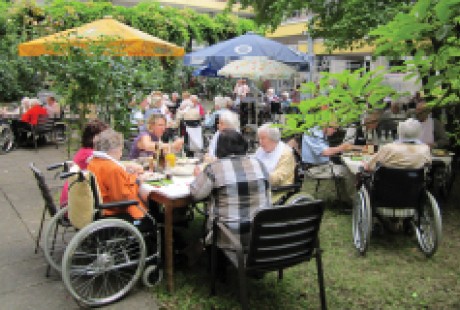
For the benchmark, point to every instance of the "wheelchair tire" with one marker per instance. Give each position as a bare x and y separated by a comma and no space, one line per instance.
6,139
428,226
57,237
103,262
362,221
152,275
298,197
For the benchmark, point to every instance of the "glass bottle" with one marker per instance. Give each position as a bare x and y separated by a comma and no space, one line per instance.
162,160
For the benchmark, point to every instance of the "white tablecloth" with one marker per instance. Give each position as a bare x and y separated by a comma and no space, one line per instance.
180,188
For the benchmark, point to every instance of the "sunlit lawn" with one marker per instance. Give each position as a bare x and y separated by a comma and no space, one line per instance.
393,275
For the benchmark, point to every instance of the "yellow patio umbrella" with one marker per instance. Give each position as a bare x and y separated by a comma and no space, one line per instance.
122,39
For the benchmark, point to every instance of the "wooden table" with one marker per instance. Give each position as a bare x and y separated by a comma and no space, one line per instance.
169,205
182,201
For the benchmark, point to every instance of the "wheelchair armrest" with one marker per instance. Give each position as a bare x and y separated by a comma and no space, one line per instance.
284,188
118,204
364,173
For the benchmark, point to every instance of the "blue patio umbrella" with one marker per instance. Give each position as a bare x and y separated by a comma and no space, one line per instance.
249,44
204,71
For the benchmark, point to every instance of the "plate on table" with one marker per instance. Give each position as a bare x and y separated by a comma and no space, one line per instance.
153,176
187,161
439,152
185,170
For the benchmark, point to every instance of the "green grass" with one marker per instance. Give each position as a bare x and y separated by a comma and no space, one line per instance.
393,275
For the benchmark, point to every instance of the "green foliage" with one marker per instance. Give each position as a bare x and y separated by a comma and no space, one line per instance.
429,33
23,21
341,23
339,98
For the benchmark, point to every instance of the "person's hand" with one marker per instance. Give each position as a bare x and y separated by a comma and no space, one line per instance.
346,146
178,144
196,171
134,168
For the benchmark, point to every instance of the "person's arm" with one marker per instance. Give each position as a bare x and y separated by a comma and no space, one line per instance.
177,144
202,186
284,170
145,143
336,149
380,156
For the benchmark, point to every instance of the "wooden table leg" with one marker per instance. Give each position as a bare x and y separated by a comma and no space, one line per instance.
169,248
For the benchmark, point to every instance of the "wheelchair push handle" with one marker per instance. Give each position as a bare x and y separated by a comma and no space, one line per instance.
64,165
55,166
65,175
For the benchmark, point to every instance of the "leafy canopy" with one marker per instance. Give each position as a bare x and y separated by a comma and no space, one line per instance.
430,33
341,23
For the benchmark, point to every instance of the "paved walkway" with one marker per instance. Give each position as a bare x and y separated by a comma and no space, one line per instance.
23,284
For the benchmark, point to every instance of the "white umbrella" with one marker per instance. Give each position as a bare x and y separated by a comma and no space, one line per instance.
256,68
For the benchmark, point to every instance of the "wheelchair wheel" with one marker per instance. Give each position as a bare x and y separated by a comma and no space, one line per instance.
152,275
298,197
57,236
6,139
428,226
103,262
362,221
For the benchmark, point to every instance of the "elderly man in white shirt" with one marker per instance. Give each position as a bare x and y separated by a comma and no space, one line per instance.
277,156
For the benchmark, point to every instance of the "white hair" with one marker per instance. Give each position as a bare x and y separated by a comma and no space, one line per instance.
24,100
410,129
194,97
273,133
229,120
108,140
34,101
219,102
228,102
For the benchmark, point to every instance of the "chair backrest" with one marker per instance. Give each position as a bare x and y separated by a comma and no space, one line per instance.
196,142
44,189
284,236
397,188
44,124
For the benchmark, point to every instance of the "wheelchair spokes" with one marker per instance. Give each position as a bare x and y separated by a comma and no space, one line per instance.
103,261
428,226
362,222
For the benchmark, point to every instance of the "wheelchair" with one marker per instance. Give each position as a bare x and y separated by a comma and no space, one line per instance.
6,137
107,255
396,195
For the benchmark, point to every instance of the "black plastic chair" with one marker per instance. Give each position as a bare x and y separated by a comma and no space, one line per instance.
280,237
50,206
44,127
183,133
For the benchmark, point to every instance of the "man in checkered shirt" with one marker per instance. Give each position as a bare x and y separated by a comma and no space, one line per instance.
236,184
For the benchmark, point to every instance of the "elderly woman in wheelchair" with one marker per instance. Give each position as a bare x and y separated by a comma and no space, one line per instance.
392,190
117,241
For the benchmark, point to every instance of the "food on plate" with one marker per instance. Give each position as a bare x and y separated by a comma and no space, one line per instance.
152,176
187,161
183,170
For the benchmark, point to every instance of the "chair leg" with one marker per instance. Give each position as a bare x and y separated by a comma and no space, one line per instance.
319,267
243,287
37,242
280,274
34,137
213,263
317,186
